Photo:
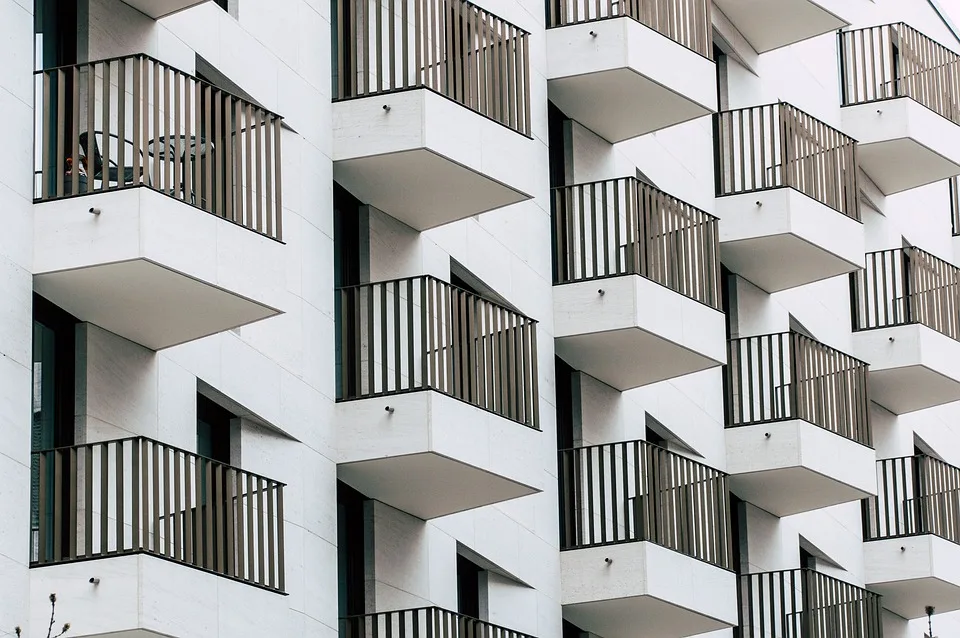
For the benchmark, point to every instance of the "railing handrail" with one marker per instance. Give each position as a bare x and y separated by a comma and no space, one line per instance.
796,108
172,448
646,445
492,302
147,56
799,335
917,249
633,179
908,27
435,608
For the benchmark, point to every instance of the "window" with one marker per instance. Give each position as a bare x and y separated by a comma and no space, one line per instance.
54,363
213,430
351,558
53,406
720,57
565,404
572,631
469,575
738,526
347,268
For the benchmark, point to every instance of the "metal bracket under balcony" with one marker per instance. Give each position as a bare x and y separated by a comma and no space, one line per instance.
798,428
438,407
636,292
911,531
901,101
787,197
645,540
771,24
624,69
807,603
906,325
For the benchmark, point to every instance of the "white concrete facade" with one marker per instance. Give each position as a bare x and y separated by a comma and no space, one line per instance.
191,304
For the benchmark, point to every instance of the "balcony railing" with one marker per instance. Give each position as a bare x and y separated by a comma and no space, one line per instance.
136,495
687,22
787,375
802,603
895,60
915,495
906,286
424,622
778,145
626,227
422,333
635,491
155,126
452,47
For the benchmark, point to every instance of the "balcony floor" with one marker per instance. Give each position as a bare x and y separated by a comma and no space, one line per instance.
628,80
789,240
646,591
914,572
912,367
903,144
799,467
637,333
433,455
428,160
152,269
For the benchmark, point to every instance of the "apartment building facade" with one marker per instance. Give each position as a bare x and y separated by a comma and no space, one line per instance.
457,318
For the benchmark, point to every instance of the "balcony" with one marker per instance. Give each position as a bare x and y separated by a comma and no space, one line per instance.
807,604
901,99
645,542
167,227
171,531
769,25
911,531
157,9
627,69
906,322
787,197
438,397
798,425
431,122
637,292
424,621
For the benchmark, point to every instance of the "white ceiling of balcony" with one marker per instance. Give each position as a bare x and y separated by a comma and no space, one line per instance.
771,24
